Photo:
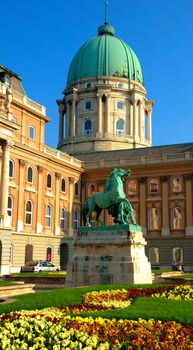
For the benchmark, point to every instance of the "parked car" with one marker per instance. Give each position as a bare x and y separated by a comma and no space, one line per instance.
40,266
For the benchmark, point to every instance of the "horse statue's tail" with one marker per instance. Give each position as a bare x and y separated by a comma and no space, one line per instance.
85,210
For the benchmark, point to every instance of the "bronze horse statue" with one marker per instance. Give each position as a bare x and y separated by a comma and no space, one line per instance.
113,199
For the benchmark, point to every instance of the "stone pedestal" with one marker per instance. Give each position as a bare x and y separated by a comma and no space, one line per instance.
108,255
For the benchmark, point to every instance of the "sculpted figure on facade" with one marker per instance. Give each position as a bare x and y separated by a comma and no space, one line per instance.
8,99
177,218
113,199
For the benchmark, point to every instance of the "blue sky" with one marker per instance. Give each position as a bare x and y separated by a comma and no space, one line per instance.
39,39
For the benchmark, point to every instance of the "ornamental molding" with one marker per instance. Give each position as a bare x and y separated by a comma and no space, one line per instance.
22,163
71,180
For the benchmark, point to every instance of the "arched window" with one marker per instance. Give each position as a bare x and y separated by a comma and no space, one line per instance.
120,127
87,127
76,189
154,255
49,254
28,212
63,185
30,175
63,219
91,189
177,255
176,184
145,126
11,168
154,219
132,187
48,216
177,218
49,181
32,132
76,220
153,186
10,207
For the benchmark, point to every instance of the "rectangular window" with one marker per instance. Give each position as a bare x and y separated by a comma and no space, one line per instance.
88,105
120,105
32,132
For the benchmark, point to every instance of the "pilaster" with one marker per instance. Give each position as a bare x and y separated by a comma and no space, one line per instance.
20,214
188,218
70,215
39,201
107,112
4,220
165,230
57,214
99,96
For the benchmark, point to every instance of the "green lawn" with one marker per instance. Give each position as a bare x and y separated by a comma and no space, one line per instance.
159,272
7,283
147,308
185,275
40,274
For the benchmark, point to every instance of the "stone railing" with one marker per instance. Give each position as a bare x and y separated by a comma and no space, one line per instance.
165,158
17,96
63,156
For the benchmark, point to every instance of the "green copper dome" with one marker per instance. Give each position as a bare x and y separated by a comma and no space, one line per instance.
105,55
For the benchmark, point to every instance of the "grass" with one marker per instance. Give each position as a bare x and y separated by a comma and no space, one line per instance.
146,308
40,274
185,275
7,283
159,272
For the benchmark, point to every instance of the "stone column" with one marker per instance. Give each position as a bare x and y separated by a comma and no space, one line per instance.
189,218
135,120
4,221
165,230
20,214
107,113
149,127
39,201
70,215
42,142
131,118
143,211
68,104
73,115
57,214
99,114
61,108
23,128
140,120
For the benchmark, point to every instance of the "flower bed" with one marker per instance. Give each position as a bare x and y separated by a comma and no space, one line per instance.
54,329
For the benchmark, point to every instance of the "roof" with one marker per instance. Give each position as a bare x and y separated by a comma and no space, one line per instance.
105,55
147,155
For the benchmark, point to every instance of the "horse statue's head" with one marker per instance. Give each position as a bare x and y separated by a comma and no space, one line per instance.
122,173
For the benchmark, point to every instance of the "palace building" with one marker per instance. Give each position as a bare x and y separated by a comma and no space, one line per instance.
104,123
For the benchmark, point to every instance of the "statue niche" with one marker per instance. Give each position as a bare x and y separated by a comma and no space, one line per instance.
113,199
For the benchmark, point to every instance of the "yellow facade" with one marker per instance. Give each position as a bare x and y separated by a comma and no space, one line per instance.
40,203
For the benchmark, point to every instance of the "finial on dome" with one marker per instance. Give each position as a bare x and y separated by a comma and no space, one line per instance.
106,28
106,12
